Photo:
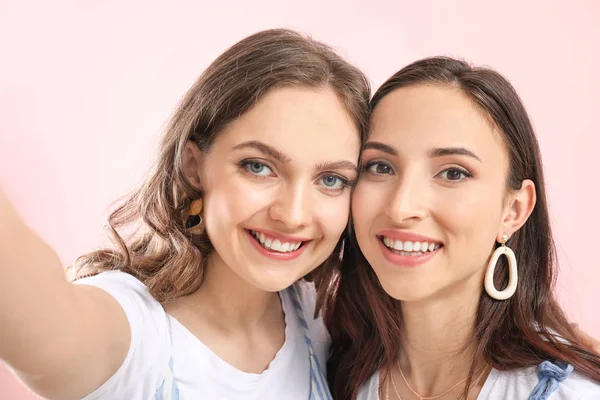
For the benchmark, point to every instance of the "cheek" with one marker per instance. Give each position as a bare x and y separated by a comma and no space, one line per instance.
473,207
332,214
471,223
232,201
368,201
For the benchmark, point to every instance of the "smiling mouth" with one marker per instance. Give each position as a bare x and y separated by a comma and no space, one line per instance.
408,248
276,245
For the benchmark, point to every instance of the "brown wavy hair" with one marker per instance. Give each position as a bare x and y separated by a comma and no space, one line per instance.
148,228
523,331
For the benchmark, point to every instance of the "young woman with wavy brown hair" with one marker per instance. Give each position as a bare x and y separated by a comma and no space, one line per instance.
198,300
446,285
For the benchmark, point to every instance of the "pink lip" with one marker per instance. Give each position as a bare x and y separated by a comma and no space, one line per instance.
405,236
282,238
406,261
275,254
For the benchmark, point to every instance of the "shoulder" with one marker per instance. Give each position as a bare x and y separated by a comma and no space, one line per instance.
117,283
132,295
148,356
370,389
519,383
578,386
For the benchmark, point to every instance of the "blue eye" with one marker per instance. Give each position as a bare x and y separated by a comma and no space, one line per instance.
257,168
378,168
333,182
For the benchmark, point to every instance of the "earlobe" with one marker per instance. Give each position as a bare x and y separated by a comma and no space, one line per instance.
521,206
192,161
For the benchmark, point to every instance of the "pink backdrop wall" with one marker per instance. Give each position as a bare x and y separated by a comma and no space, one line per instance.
85,88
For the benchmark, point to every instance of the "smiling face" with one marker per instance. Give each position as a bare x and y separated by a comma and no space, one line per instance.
276,185
432,199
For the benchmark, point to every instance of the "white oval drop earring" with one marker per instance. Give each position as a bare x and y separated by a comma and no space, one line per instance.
512,273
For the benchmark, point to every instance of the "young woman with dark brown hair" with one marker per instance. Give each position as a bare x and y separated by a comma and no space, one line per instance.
452,294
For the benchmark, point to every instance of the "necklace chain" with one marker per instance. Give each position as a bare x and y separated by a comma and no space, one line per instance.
387,392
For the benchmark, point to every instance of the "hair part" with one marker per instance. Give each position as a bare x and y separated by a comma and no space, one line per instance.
365,322
148,228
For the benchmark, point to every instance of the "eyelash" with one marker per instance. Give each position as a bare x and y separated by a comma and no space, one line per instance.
463,171
245,164
346,183
366,168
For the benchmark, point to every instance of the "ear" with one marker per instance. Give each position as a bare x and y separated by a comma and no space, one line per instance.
192,163
519,206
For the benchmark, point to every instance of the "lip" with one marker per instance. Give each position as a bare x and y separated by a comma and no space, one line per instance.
406,261
276,235
275,255
405,236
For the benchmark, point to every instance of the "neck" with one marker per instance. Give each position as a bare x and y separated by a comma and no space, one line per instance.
227,300
437,347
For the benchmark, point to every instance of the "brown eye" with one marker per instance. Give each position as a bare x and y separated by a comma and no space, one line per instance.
379,169
454,174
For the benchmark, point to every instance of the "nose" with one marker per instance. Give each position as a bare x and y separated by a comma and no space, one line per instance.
408,201
292,206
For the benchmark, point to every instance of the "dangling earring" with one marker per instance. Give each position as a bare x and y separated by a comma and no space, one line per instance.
512,272
194,222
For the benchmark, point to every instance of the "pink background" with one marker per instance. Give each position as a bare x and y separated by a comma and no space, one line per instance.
85,88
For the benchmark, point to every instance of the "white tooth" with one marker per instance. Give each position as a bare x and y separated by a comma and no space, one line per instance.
386,241
418,253
417,246
262,237
432,246
297,246
276,245
398,245
424,246
268,243
285,247
408,246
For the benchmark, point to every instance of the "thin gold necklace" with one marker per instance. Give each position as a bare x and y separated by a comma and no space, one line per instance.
387,389
432,397
395,388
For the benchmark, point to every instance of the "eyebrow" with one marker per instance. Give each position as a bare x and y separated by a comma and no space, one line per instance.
437,152
381,147
453,151
333,165
265,149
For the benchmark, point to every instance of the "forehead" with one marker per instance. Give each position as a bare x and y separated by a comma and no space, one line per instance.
433,116
301,122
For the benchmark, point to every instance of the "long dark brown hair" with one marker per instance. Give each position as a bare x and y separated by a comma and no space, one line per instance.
520,332
148,229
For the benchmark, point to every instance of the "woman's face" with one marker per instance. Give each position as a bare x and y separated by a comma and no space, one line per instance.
276,185
432,199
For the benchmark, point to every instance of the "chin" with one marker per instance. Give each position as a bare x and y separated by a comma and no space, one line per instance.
275,281
407,291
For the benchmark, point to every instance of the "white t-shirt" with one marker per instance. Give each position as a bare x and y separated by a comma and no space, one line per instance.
517,385
197,371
